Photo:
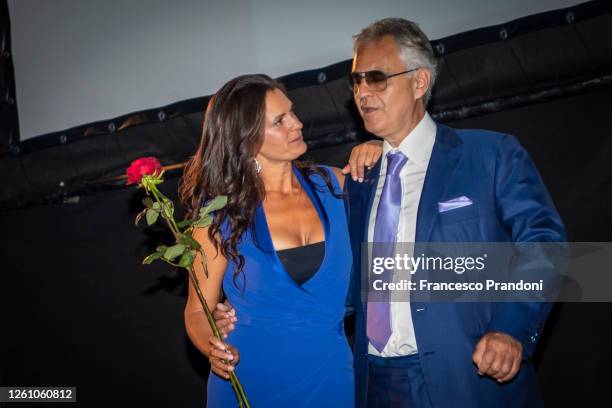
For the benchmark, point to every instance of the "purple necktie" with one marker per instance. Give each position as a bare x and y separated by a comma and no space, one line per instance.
385,230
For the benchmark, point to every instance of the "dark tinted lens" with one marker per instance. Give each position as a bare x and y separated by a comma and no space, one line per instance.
376,79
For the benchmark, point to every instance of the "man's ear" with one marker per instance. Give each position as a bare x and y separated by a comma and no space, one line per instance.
422,78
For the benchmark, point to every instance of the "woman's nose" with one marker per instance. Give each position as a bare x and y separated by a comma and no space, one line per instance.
296,121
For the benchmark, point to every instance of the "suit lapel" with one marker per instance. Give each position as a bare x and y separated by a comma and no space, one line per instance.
369,191
445,157
360,216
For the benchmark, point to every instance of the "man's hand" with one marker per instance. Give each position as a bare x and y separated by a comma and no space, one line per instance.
222,358
363,155
225,317
498,355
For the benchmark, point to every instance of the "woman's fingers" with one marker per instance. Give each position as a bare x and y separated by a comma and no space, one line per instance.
222,357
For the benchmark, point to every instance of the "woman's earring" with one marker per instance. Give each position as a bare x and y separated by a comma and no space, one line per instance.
257,166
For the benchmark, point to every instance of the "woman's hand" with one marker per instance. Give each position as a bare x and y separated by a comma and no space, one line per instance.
222,357
363,155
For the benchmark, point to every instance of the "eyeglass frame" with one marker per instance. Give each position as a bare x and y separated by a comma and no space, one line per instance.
362,76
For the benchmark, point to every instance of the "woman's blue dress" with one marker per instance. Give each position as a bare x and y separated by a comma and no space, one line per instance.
293,350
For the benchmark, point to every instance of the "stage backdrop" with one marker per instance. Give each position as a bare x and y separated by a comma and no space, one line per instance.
78,61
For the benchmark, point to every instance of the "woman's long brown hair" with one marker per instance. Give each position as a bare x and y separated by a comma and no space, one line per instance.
223,164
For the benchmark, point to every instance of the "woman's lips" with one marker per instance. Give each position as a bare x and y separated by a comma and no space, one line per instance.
297,139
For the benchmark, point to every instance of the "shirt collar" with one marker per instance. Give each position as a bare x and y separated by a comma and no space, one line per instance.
417,146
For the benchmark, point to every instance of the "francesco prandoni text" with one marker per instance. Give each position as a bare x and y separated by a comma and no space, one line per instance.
459,265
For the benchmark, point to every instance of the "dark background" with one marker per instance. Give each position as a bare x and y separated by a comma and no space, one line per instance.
79,309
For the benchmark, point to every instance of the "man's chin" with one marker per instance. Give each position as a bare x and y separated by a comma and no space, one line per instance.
375,130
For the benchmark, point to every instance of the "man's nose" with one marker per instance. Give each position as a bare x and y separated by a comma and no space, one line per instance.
361,88
361,98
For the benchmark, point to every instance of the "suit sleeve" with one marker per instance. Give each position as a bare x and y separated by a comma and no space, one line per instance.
528,214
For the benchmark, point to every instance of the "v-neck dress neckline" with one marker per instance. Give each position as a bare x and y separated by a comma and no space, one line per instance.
265,236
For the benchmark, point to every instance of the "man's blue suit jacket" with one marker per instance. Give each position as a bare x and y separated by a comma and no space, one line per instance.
510,204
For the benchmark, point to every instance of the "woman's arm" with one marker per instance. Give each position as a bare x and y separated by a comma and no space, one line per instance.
196,323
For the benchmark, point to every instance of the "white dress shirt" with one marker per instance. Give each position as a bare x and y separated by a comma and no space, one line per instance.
417,147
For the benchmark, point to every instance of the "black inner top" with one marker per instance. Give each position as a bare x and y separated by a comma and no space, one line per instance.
301,263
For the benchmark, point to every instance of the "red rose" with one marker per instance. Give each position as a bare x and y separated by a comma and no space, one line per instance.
141,167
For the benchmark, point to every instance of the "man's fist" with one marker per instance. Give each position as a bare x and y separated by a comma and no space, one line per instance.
498,355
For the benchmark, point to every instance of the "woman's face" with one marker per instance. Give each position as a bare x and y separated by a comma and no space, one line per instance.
282,139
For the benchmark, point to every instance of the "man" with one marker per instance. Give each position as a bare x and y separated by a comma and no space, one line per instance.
439,354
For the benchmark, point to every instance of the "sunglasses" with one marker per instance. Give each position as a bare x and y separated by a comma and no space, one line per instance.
376,80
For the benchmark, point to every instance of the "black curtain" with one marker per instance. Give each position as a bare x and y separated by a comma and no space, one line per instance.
79,308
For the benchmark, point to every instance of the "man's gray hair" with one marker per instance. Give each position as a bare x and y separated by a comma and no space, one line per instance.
414,46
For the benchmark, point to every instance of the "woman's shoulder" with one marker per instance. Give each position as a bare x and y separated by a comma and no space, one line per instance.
337,172
332,174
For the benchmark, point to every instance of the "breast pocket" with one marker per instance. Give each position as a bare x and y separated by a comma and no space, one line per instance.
459,214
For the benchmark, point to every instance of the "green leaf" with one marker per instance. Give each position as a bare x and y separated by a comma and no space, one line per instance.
161,249
152,257
174,251
152,216
204,221
216,204
187,240
168,209
187,259
147,202
184,223
157,206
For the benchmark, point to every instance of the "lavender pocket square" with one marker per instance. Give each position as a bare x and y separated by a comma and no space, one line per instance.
453,204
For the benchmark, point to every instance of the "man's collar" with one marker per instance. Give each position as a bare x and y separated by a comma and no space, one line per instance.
419,142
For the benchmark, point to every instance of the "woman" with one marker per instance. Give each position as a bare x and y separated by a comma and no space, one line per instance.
279,251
